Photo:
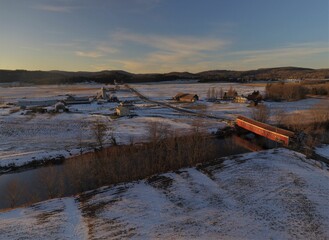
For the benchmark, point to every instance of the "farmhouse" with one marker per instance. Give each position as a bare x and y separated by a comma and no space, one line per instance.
104,95
186,97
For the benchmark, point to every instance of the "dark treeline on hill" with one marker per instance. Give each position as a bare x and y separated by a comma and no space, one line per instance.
62,77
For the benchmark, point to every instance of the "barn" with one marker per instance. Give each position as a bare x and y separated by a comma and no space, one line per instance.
186,97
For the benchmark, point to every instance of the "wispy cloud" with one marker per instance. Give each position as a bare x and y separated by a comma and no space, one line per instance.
286,55
55,8
90,54
167,53
100,51
293,50
61,44
173,44
158,53
301,54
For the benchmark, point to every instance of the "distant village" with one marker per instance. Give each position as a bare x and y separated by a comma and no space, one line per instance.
108,94
61,104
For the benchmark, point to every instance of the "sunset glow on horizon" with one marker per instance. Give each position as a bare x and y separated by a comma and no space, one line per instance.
144,36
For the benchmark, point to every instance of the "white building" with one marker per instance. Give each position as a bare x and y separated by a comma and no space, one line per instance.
36,103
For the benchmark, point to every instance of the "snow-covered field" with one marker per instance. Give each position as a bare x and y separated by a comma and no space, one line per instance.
25,138
274,194
323,151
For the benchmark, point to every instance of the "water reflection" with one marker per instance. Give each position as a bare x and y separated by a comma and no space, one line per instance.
64,180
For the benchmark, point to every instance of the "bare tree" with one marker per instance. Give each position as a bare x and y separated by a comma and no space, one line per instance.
78,171
221,93
158,131
279,116
232,92
99,130
13,192
112,136
320,113
80,141
261,113
208,93
213,93
199,124
51,181
131,140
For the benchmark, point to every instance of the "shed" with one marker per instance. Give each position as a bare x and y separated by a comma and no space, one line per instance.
102,94
60,107
76,100
240,99
186,97
122,111
127,104
255,96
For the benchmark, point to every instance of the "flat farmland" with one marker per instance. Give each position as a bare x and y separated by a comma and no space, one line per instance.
26,137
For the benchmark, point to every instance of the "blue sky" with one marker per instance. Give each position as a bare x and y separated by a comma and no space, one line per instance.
146,36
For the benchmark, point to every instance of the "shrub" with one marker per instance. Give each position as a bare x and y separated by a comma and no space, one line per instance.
261,113
165,152
285,91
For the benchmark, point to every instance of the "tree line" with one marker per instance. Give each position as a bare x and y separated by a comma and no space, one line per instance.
294,91
164,151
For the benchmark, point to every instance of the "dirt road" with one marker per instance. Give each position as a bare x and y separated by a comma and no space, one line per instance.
182,110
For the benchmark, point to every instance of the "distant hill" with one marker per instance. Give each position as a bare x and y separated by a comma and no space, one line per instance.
266,74
108,76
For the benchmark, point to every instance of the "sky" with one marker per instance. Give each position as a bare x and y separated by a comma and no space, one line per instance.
146,36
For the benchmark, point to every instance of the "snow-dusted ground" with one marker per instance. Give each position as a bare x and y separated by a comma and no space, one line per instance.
165,91
275,194
25,138
323,151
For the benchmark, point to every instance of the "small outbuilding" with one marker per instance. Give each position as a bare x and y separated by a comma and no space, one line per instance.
255,96
127,104
60,107
70,99
102,94
186,97
240,99
122,111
